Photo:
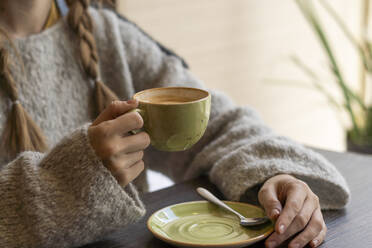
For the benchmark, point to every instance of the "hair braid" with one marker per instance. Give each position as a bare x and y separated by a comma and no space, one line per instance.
20,133
81,22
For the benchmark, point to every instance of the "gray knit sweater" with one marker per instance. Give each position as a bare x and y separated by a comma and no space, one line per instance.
67,198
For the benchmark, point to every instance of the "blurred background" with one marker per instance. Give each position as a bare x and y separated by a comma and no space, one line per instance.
243,47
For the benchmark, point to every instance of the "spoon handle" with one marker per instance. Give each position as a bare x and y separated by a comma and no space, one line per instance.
210,197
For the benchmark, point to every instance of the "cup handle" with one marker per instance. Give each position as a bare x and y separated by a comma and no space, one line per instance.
142,113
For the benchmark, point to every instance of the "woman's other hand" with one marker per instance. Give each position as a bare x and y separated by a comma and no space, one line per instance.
296,210
120,152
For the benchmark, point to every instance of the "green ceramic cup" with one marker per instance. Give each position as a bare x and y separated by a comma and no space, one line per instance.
174,117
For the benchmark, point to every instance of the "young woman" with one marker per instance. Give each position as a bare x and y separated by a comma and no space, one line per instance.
67,162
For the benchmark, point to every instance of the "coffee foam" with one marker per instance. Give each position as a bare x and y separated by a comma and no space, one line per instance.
169,99
171,95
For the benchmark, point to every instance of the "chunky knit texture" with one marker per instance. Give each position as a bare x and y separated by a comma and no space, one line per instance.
66,197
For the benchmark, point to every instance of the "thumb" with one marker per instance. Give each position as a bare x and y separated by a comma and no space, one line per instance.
115,109
269,200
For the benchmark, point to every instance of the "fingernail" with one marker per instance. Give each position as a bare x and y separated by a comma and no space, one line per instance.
131,101
274,213
315,242
271,244
281,228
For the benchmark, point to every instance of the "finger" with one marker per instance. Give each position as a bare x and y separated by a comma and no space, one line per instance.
125,123
303,218
312,230
135,143
269,200
320,238
115,109
299,223
118,145
295,195
129,174
126,160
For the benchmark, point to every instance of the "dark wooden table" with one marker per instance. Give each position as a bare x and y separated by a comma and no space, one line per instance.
350,227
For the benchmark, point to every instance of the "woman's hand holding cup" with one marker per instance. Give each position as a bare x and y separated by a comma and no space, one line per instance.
176,118
120,152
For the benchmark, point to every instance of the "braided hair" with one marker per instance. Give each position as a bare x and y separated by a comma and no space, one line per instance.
21,133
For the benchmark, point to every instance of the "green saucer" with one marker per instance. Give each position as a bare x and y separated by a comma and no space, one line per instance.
203,224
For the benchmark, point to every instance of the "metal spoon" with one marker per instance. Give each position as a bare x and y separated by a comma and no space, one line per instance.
243,220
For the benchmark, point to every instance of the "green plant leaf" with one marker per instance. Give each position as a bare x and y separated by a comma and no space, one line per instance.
363,47
315,81
365,54
308,11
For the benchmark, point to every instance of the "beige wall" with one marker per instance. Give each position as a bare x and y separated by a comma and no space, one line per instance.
237,45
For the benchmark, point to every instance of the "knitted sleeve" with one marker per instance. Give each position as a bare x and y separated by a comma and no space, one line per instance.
64,198
238,151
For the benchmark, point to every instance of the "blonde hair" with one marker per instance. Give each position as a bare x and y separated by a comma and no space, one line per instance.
21,133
